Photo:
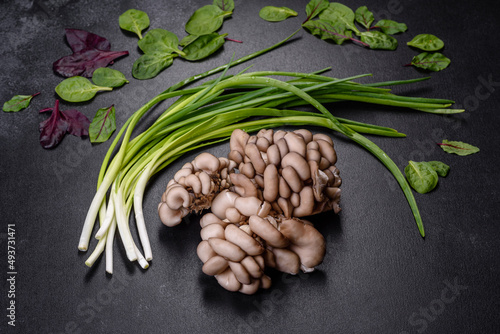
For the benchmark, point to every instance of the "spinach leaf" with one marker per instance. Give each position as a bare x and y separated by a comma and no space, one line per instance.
134,20
18,103
426,42
441,168
103,125
458,147
335,31
187,40
225,5
364,17
78,89
339,12
149,65
314,7
160,40
276,14
421,176
379,40
90,52
204,46
108,77
391,27
431,61
60,122
206,20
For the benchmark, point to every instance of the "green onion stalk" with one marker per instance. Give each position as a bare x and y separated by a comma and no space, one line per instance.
207,114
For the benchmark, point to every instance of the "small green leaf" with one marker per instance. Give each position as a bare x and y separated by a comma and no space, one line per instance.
225,5
426,42
421,176
458,147
105,76
364,17
335,31
441,168
206,20
18,103
276,14
160,40
339,12
134,20
314,7
391,27
103,125
187,40
204,46
379,40
78,89
431,61
149,65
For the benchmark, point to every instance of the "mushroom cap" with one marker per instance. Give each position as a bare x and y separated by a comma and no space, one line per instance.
305,241
206,162
224,200
264,229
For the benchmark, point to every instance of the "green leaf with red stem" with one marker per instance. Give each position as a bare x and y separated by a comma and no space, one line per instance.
314,7
430,61
458,147
390,27
225,5
364,17
379,40
335,31
103,125
18,103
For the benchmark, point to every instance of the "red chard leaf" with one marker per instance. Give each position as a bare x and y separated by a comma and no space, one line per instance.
90,52
60,122
78,123
84,63
80,40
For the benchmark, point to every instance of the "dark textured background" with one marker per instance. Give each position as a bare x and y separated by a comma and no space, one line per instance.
379,275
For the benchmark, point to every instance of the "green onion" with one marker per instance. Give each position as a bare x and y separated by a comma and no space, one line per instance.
209,113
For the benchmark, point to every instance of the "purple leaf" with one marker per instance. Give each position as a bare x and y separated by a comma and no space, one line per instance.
78,123
53,129
80,40
90,52
85,62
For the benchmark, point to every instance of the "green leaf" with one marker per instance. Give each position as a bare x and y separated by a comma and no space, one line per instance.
431,61
18,103
103,125
335,31
225,5
441,168
458,147
426,42
206,20
314,7
204,46
134,20
364,17
149,65
391,27
187,40
105,76
338,12
421,176
379,40
78,89
276,14
160,40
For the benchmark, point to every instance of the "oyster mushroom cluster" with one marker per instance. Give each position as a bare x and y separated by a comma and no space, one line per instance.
257,197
